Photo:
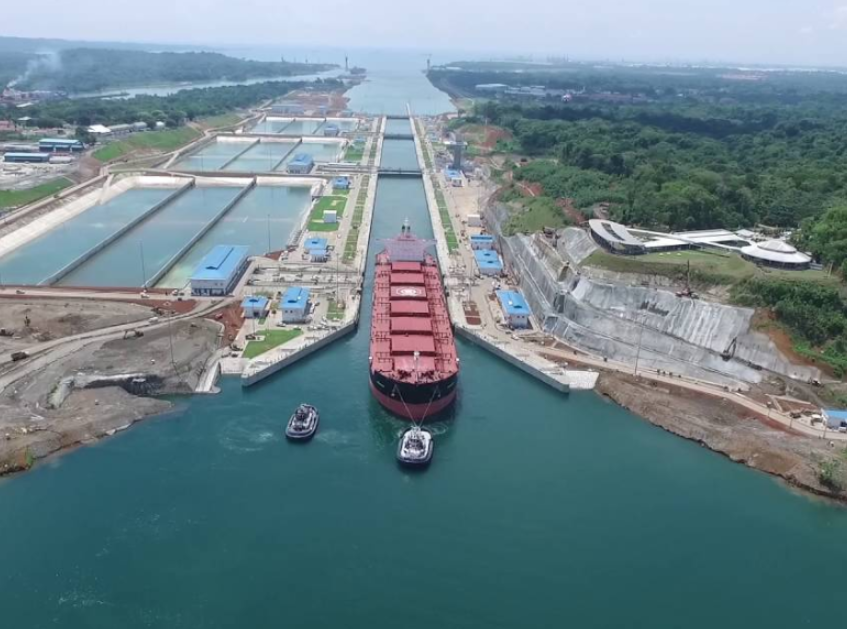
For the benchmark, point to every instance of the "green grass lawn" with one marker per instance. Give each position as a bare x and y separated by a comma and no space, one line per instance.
335,202
335,311
354,153
10,199
272,338
215,122
163,141
537,213
709,267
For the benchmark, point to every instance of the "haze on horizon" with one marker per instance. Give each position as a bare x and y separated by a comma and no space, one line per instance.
792,32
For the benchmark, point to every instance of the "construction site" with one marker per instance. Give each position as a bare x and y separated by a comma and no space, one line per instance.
156,276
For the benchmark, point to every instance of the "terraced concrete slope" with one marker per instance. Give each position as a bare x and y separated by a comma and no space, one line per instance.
679,335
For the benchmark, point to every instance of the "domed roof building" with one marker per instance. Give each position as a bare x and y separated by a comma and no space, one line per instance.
776,253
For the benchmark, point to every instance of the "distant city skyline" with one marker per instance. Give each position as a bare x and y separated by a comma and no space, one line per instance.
783,32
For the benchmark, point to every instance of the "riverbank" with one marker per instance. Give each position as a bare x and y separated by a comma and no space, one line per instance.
81,391
727,429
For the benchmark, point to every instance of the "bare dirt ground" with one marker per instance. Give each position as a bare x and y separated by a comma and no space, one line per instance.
723,427
52,319
172,361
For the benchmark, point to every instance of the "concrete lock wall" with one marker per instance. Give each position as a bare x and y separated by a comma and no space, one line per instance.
678,335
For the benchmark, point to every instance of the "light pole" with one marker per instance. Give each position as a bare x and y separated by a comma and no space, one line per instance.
143,268
269,233
638,352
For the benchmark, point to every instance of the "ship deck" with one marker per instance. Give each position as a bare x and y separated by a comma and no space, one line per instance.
411,336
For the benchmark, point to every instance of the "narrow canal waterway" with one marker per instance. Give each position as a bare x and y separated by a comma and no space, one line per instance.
540,510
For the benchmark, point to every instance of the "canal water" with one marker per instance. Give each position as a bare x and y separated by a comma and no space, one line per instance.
540,510
40,258
262,157
142,252
263,221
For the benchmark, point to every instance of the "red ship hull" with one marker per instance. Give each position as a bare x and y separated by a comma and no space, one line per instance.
414,368
414,412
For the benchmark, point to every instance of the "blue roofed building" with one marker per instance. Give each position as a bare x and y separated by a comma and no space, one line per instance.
219,272
835,419
255,306
341,183
516,311
453,177
482,241
316,249
60,144
488,262
295,305
301,164
26,158
331,130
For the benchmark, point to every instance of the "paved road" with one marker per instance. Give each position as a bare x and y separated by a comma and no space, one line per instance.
42,354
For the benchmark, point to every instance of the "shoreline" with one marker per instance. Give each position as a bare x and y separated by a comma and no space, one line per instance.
742,438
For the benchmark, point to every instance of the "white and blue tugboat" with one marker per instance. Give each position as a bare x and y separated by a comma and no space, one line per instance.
303,423
415,447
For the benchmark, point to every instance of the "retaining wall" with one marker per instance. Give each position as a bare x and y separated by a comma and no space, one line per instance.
678,335
536,372
272,368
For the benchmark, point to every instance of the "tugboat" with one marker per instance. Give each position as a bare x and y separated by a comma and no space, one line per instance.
415,447
303,423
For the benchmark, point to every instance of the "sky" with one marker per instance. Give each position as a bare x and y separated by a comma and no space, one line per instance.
793,32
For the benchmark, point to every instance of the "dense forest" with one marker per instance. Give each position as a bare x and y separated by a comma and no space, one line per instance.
92,69
696,150
765,153
174,109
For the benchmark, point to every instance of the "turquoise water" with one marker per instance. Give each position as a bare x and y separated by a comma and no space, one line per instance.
395,154
50,252
320,152
273,211
303,127
263,157
270,126
160,237
212,156
387,90
344,124
398,126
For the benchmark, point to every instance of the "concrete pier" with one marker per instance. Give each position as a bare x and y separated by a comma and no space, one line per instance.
488,334
316,338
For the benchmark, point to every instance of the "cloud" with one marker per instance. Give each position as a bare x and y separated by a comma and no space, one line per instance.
807,30
838,18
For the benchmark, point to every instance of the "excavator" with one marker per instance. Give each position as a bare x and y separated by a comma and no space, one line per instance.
729,352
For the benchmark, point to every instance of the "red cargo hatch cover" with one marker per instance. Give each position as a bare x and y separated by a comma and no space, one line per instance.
411,344
409,307
411,324
416,279
414,267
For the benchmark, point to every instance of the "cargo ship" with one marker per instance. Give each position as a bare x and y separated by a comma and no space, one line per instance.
414,368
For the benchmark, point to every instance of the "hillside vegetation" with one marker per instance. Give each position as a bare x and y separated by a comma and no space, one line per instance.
683,150
93,69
